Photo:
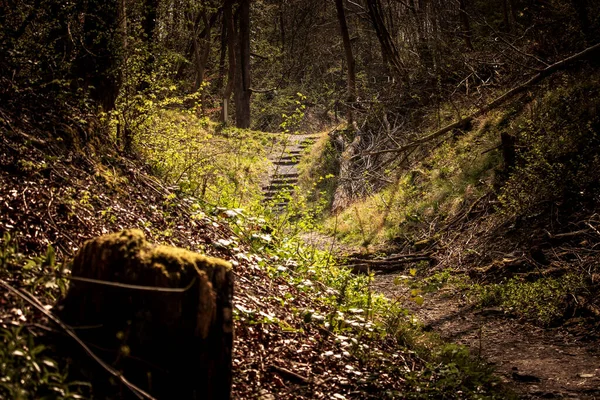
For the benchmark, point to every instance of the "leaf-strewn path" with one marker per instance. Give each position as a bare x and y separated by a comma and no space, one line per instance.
537,363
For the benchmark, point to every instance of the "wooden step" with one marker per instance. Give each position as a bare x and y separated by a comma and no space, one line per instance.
279,187
291,175
285,162
280,181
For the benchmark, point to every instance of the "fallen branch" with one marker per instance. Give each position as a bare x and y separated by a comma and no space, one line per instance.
393,261
291,375
495,103
413,255
567,235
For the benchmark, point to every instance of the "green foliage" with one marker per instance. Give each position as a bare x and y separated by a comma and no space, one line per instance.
558,150
28,371
318,172
218,168
38,274
542,301
452,372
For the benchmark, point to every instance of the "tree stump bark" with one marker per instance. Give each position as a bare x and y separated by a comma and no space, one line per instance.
161,315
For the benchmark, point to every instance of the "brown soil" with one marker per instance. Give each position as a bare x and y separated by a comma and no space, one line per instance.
536,363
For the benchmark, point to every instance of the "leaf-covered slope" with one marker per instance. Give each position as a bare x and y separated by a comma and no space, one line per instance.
49,196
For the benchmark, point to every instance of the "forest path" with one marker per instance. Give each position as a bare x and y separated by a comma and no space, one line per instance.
283,174
536,363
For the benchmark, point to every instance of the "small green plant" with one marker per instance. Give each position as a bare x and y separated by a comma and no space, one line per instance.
452,372
28,371
542,301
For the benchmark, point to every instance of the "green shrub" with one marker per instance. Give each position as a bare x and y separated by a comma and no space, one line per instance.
558,147
542,301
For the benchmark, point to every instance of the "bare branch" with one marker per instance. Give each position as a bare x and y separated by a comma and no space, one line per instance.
490,106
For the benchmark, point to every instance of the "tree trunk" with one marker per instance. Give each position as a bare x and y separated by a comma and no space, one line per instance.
242,77
231,40
161,315
509,153
98,65
389,51
465,23
202,52
149,21
222,58
351,80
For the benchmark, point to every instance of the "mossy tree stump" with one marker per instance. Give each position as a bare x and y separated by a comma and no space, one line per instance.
171,334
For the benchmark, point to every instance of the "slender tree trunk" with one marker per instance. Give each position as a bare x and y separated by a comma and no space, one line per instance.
202,35
149,21
124,134
389,51
222,58
351,95
201,52
231,40
242,91
282,25
97,66
466,25
509,153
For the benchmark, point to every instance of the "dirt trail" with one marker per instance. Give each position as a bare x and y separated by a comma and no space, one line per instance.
536,363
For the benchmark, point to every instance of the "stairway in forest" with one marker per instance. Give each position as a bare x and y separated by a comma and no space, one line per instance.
283,176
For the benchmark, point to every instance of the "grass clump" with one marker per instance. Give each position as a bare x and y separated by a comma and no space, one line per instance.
318,172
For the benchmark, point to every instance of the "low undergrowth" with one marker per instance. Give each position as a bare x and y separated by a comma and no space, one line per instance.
219,167
28,366
369,327
544,301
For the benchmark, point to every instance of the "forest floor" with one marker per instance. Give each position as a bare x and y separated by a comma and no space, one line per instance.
66,198
534,362
561,362
49,196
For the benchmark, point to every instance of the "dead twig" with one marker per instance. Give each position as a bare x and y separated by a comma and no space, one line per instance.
567,235
286,373
394,261
492,105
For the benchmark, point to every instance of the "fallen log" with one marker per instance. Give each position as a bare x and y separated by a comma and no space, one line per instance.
391,264
394,261
161,315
